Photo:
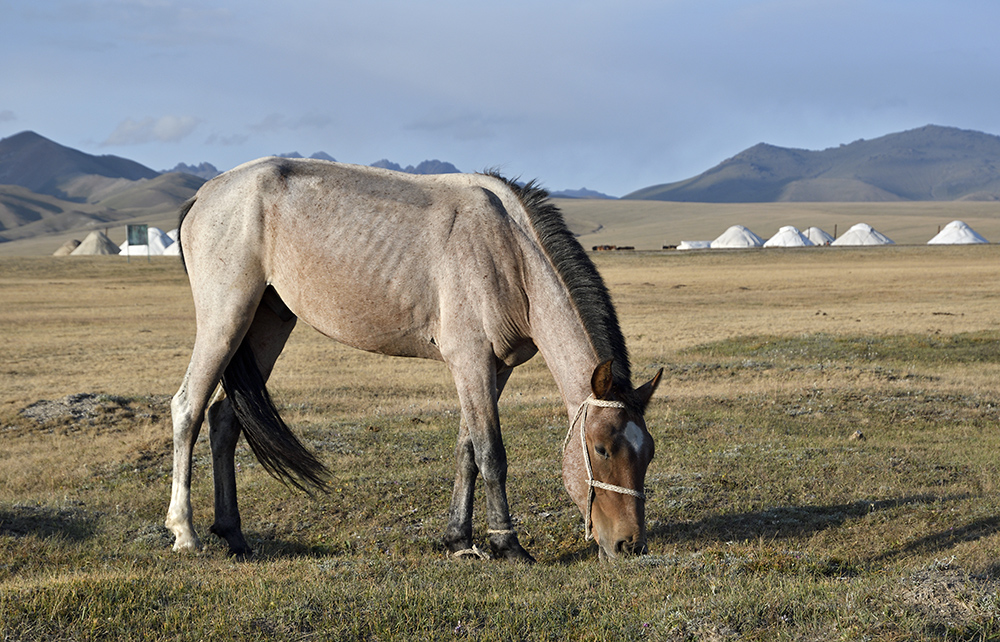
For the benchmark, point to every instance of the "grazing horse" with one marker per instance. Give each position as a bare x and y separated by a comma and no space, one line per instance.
472,270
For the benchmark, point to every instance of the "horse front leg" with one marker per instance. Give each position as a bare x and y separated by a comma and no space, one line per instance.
481,448
458,535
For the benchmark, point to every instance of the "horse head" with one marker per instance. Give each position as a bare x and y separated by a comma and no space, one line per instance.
605,457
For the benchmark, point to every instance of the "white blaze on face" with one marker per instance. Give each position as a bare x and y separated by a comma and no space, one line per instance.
635,436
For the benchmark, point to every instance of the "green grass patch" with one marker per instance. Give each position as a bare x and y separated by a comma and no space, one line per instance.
963,349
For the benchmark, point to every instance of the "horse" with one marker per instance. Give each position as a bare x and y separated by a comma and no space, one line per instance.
473,270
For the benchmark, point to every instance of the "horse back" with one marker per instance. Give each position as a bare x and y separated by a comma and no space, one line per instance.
380,260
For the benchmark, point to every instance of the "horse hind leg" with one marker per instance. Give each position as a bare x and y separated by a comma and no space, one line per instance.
187,419
220,331
266,337
187,411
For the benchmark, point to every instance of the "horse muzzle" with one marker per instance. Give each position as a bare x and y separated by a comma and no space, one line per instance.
623,548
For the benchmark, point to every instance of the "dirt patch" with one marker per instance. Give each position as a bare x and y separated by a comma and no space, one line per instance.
949,596
88,408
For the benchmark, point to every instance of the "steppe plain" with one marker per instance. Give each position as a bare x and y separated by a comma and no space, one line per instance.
826,462
651,225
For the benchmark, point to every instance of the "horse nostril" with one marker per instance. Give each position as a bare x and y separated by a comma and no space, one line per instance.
630,547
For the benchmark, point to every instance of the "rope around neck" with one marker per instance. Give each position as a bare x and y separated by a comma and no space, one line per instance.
581,417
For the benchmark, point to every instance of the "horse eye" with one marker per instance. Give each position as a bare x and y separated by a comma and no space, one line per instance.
600,450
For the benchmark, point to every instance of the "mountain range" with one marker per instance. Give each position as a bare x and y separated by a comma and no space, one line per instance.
47,188
209,171
931,163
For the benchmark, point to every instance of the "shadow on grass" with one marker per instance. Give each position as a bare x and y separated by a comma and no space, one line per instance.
272,548
584,552
946,539
784,521
45,522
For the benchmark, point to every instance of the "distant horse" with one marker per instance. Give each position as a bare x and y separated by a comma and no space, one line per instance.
472,270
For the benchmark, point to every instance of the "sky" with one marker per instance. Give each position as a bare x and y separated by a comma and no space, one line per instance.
612,96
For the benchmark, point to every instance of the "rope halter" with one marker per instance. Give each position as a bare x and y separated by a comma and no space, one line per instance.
581,417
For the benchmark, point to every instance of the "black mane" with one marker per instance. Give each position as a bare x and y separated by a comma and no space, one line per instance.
583,282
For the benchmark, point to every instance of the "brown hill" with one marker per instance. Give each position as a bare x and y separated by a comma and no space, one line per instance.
927,164
46,167
47,189
24,214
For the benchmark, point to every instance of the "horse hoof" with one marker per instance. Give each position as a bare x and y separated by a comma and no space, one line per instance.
244,555
188,546
519,557
513,552
238,547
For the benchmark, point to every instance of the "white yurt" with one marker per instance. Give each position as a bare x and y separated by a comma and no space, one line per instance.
818,236
158,242
67,248
863,234
694,245
956,233
95,243
788,236
737,236
174,249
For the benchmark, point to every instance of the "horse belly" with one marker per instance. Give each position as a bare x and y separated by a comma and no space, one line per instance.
365,308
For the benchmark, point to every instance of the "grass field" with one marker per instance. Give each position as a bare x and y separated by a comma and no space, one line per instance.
826,465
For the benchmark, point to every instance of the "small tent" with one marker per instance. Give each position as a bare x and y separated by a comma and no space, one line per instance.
158,241
737,236
694,245
96,243
863,234
956,233
174,249
818,236
67,248
788,236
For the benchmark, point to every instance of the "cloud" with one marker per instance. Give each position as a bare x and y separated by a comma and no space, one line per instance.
279,122
7,116
226,141
166,129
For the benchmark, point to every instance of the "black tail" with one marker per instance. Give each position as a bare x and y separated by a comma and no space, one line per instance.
180,223
277,449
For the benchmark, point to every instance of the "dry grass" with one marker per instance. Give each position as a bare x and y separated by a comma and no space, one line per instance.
766,520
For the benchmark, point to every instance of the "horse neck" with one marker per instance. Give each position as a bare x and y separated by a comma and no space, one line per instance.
559,334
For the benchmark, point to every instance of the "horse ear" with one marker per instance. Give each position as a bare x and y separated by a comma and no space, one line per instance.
600,381
645,391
